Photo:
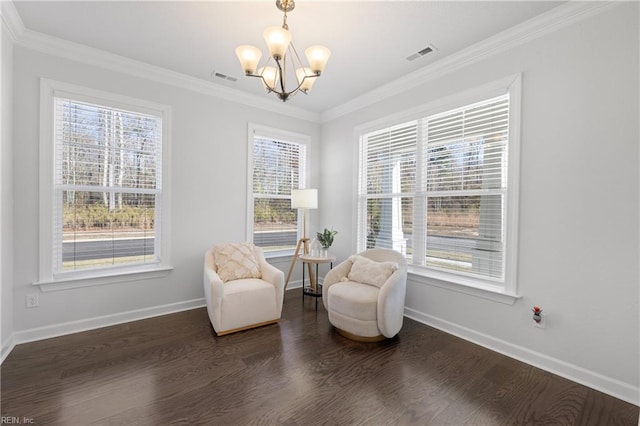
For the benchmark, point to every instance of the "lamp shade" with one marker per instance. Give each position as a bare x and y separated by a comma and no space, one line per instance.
305,83
270,76
317,57
249,56
304,199
278,40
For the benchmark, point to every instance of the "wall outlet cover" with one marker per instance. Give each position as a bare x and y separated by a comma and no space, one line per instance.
31,300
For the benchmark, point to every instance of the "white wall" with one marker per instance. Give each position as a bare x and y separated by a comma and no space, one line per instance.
579,229
578,240
6,189
208,191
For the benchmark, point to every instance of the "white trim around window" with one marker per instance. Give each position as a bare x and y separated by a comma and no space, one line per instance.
503,290
299,181
50,278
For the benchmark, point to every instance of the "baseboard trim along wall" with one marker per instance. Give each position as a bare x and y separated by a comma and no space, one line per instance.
7,347
41,333
613,387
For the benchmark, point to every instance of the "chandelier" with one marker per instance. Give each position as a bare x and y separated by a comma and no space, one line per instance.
275,78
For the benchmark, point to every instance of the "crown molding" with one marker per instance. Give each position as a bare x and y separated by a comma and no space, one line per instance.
553,20
88,55
11,20
548,22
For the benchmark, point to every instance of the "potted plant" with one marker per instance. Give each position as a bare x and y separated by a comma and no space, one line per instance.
326,238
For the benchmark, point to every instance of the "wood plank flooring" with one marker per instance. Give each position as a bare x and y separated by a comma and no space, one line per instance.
173,370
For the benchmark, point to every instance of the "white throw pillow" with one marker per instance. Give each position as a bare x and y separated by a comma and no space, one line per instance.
367,271
235,261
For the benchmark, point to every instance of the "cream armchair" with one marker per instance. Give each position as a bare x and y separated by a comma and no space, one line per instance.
241,289
364,295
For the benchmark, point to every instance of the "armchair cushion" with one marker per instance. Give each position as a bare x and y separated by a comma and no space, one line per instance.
235,261
367,271
357,300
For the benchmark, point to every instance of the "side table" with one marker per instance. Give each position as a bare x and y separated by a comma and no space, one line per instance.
314,288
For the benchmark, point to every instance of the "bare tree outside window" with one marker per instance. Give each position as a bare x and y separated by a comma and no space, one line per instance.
108,185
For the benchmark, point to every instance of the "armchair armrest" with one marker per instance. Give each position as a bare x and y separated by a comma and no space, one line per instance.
273,276
391,303
213,285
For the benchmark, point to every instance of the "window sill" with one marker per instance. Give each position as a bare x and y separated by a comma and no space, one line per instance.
113,277
462,285
279,255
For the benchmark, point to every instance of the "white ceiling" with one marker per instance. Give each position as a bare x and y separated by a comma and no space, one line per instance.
369,41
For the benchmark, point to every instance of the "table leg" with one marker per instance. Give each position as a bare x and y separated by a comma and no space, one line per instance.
303,279
317,288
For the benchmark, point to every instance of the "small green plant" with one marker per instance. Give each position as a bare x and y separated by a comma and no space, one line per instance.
326,237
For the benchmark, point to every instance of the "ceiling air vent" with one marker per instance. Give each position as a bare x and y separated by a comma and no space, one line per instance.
421,53
215,74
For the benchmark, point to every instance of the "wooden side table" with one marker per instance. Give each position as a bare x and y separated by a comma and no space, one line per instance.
314,289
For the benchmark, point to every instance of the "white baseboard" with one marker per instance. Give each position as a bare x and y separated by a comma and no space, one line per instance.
298,284
613,387
7,347
62,329
294,284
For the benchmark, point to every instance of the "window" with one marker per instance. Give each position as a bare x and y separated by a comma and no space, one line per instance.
277,165
439,190
103,182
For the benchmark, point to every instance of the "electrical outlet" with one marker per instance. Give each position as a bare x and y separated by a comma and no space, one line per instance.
31,300
542,323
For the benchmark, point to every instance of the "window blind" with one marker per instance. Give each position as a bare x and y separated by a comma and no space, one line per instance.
387,185
107,185
466,184
434,189
278,167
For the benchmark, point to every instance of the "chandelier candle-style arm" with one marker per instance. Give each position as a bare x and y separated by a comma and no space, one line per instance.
281,50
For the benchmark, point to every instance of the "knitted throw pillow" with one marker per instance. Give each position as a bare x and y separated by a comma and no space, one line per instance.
235,261
367,271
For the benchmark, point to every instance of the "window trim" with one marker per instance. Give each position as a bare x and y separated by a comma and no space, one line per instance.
303,179
504,292
47,280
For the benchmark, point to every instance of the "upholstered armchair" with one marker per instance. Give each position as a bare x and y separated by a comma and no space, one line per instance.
364,295
241,289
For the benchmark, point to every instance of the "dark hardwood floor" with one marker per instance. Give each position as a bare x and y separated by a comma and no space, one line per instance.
174,370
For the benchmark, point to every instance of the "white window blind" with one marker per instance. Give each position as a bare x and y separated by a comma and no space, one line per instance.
387,182
107,187
435,189
466,173
278,167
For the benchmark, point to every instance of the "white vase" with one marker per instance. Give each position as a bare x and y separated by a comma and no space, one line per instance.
315,248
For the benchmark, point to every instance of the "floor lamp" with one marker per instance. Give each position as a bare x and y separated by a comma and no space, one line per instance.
303,199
